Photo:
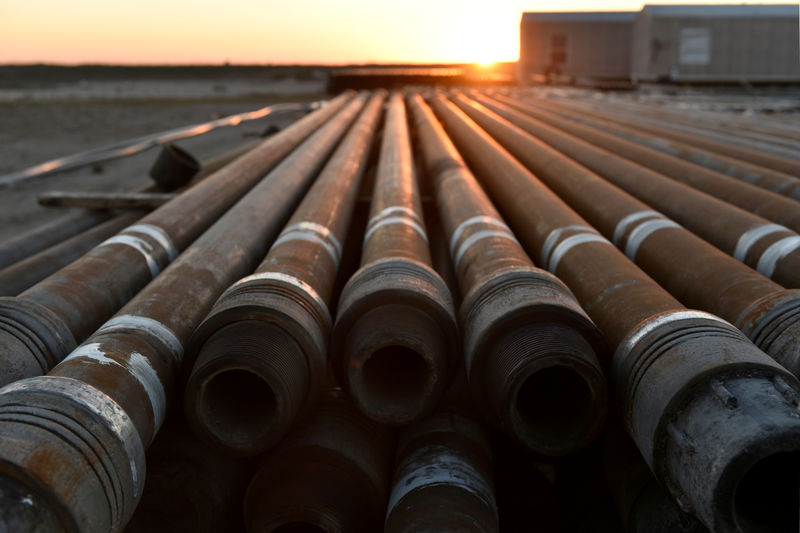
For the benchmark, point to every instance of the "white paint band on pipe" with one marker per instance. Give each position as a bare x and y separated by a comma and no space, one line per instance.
479,236
152,327
478,219
388,221
392,210
776,252
622,225
311,237
643,231
569,243
157,234
554,235
319,229
140,245
752,236
289,280
138,366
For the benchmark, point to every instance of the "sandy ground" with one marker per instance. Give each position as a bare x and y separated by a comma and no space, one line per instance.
40,123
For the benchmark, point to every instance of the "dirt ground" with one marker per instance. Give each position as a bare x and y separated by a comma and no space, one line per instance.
42,121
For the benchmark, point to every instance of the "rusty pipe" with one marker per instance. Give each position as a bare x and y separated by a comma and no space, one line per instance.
64,308
97,411
693,271
395,344
527,342
258,359
781,164
25,273
330,475
771,249
766,178
443,478
685,380
762,202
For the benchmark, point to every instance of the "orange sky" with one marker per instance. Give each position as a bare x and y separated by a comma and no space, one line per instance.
270,31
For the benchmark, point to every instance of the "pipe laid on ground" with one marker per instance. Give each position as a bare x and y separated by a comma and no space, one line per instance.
258,359
685,380
42,325
531,353
395,344
762,202
97,411
105,200
772,249
766,178
695,272
443,478
330,475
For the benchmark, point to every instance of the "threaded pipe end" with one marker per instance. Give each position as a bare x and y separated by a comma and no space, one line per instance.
545,385
249,382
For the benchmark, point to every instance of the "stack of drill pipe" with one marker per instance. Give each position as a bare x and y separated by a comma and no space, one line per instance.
531,353
695,272
43,324
443,478
772,249
190,487
330,475
772,180
258,359
395,344
680,120
685,380
643,505
73,441
757,157
767,204
26,272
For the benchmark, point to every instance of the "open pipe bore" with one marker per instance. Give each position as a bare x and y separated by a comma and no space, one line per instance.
395,375
768,495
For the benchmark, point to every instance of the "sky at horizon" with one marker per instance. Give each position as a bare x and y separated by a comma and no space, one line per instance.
260,32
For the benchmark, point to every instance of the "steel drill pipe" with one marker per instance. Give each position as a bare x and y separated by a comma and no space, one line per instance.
42,325
781,164
643,504
23,274
762,202
527,342
258,360
443,478
190,486
701,126
35,240
395,343
330,475
95,413
692,270
772,180
772,249
685,380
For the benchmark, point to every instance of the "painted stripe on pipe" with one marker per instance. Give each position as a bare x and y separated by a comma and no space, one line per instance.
158,235
622,225
569,243
311,237
319,229
554,235
289,280
643,231
776,252
752,236
139,367
479,236
150,326
388,221
472,221
140,245
391,210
